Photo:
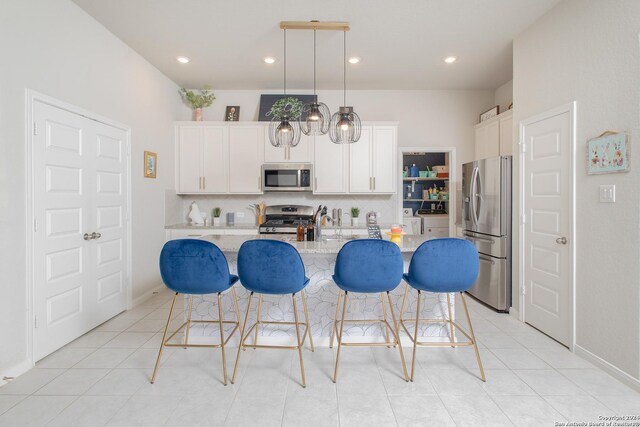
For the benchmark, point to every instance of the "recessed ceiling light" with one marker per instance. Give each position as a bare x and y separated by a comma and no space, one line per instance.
354,60
450,59
182,59
269,60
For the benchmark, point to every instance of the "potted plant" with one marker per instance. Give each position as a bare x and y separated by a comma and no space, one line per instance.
216,216
355,213
198,101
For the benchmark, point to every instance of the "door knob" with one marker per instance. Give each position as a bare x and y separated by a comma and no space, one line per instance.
561,240
87,237
95,235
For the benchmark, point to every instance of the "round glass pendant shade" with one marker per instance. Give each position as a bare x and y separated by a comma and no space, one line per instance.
345,126
284,132
318,119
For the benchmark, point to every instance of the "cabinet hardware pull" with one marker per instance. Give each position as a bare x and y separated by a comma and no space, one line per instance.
315,183
374,183
204,182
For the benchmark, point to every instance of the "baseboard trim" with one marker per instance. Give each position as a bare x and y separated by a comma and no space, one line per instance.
142,298
15,371
514,313
612,370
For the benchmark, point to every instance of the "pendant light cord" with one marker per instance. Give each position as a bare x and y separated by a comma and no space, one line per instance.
314,62
285,61
344,72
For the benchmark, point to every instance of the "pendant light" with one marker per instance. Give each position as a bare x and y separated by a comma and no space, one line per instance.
284,130
345,124
318,114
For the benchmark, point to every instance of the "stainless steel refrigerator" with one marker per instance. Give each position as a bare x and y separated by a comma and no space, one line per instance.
486,220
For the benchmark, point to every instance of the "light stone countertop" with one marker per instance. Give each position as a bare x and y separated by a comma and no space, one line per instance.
230,243
246,226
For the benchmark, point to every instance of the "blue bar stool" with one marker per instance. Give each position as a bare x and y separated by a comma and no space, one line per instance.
368,266
196,267
272,267
442,266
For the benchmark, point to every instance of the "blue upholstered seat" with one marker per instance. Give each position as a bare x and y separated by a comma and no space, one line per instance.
368,266
443,265
271,267
190,266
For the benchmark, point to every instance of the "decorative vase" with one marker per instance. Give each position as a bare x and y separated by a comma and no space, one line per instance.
354,221
216,221
197,114
260,219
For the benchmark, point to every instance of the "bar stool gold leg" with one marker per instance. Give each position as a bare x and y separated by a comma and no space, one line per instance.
224,359
450,319
306,319
235,305
344,309
473,337
295,316
415,337
164,337
255,337
186,335
404,299
384,316
334,324
244,325
396,334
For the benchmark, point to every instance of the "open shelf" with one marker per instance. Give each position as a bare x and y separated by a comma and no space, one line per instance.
425,200
415,178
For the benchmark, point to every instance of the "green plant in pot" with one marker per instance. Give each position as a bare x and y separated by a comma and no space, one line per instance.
355,213
216,215
204,98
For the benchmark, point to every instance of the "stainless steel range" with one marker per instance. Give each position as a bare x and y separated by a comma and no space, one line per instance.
284,219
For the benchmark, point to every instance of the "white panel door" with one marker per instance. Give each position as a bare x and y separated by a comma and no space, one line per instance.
547,198
360,173
329,166
215,159
246,153
80,184
189,159
384,159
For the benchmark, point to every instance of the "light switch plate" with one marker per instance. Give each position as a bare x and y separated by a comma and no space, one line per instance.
607,194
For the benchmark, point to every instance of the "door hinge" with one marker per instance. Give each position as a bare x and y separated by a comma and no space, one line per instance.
523,147
524,290
35,225
523,218
35,128
35,322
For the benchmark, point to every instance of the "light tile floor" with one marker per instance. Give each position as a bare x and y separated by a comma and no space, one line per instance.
102,378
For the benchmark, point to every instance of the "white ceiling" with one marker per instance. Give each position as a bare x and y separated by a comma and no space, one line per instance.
402,43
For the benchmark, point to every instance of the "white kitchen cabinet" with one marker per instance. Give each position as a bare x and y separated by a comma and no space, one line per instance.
182,233
436,232
302,153
246,155
330,166
372,161
494,137
202,159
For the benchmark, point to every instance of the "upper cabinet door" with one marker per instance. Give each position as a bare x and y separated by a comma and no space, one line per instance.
488,140
299,154
246,154
330,166
360,162
215,160
506,135
189,172
384,159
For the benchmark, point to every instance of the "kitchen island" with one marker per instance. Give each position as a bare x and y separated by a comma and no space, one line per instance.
322,293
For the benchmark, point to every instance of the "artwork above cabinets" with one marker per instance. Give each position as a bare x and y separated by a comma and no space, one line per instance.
227,158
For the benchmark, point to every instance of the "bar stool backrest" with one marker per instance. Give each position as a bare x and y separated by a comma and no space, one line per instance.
444,265
268,266
369,266
190,266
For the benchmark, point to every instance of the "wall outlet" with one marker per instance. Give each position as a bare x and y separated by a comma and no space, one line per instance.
239,214
607,194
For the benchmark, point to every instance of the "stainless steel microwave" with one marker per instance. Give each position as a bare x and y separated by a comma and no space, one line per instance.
286,176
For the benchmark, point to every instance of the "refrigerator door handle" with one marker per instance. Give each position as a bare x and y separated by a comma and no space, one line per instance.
473,195
489,260
491,242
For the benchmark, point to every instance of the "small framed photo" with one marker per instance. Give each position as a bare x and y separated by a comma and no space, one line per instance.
608,153
232,114
490,113
150,164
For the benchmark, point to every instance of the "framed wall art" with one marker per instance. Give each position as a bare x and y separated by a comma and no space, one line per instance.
608,153
490,113
232,114
150,164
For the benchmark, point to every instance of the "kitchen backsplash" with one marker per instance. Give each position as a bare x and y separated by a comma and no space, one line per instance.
177,207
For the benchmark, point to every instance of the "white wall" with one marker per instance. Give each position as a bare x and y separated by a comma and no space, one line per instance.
588,51
53,47
503,96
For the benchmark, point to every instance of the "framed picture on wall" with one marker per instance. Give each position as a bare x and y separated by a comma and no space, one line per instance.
150,164
267,101
608,153
232,114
